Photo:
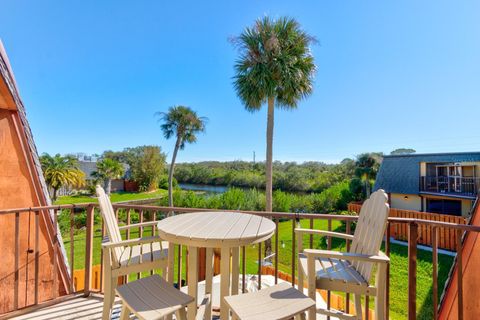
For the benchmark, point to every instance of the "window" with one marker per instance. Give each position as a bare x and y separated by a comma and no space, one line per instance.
451,207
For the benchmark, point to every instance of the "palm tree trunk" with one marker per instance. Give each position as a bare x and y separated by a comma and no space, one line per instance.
108,186
268,164
170,174
55,194
366,185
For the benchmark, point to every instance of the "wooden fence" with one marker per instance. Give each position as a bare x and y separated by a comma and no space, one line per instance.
447,237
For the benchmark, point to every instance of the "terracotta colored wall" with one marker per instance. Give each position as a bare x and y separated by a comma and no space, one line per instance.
471,279
17,190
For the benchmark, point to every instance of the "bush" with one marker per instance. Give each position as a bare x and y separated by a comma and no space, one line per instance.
282,201
332,199
163,182
233,199
79,219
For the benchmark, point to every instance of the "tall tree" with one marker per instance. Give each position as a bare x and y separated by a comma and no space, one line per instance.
184,124
147,164
366,168
275,67
107,170
61,171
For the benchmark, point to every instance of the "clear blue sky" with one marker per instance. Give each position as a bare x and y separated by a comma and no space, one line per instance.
390,74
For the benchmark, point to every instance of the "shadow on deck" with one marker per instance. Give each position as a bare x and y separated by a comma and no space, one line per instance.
78,308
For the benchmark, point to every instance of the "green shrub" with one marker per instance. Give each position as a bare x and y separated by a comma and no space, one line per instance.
332,199
282,201
233,199
79,219
163,182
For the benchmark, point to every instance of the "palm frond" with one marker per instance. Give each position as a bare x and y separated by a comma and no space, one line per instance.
183,123
274,61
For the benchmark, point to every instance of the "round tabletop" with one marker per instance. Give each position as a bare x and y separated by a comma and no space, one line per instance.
215,229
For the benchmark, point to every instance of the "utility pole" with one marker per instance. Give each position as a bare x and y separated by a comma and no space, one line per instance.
253,157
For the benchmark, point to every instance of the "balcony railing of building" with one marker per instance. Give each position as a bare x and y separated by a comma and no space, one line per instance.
87,213
461,186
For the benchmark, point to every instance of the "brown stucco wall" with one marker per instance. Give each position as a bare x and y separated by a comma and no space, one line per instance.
18,190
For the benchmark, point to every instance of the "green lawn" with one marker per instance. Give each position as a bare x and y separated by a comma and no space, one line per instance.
399,264
115,197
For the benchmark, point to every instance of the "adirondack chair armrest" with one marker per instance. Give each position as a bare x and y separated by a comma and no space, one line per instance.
138,225
131,242
345,236
314,253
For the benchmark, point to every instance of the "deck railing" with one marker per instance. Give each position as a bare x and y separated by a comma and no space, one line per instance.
88,211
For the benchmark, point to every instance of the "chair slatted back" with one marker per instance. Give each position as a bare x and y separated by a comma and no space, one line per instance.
110,221
370,230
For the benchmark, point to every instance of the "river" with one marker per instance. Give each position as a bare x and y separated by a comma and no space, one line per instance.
208,188
203,187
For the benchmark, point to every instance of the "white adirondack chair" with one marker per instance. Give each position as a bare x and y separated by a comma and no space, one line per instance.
350,271
123,257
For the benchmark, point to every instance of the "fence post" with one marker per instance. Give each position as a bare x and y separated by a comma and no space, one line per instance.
89,250
412,270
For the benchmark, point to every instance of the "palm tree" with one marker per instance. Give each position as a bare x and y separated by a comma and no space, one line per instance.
182,123
366,168
275,67
61,172
108,169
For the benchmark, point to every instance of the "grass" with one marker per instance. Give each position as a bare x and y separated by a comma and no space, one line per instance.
115,197
398,273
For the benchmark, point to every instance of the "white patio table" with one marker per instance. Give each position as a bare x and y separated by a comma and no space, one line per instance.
225,230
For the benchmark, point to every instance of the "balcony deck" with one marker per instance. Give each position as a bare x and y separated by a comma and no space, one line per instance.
91,307
455,187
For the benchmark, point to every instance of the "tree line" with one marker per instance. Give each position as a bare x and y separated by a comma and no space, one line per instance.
147,166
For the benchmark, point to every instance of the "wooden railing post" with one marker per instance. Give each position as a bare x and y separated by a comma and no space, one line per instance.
459,275
17,259
276,251
387,286
72,249
55,254
294,244
435,271
89,250
37,253
412,270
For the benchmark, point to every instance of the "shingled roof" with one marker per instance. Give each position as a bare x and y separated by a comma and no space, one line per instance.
401,173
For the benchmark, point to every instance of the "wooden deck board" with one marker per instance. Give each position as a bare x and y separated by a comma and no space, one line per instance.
90,308
79,308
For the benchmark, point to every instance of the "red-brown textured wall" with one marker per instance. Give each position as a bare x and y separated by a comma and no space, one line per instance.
17,190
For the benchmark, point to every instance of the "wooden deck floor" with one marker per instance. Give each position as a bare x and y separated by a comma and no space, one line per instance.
78,308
